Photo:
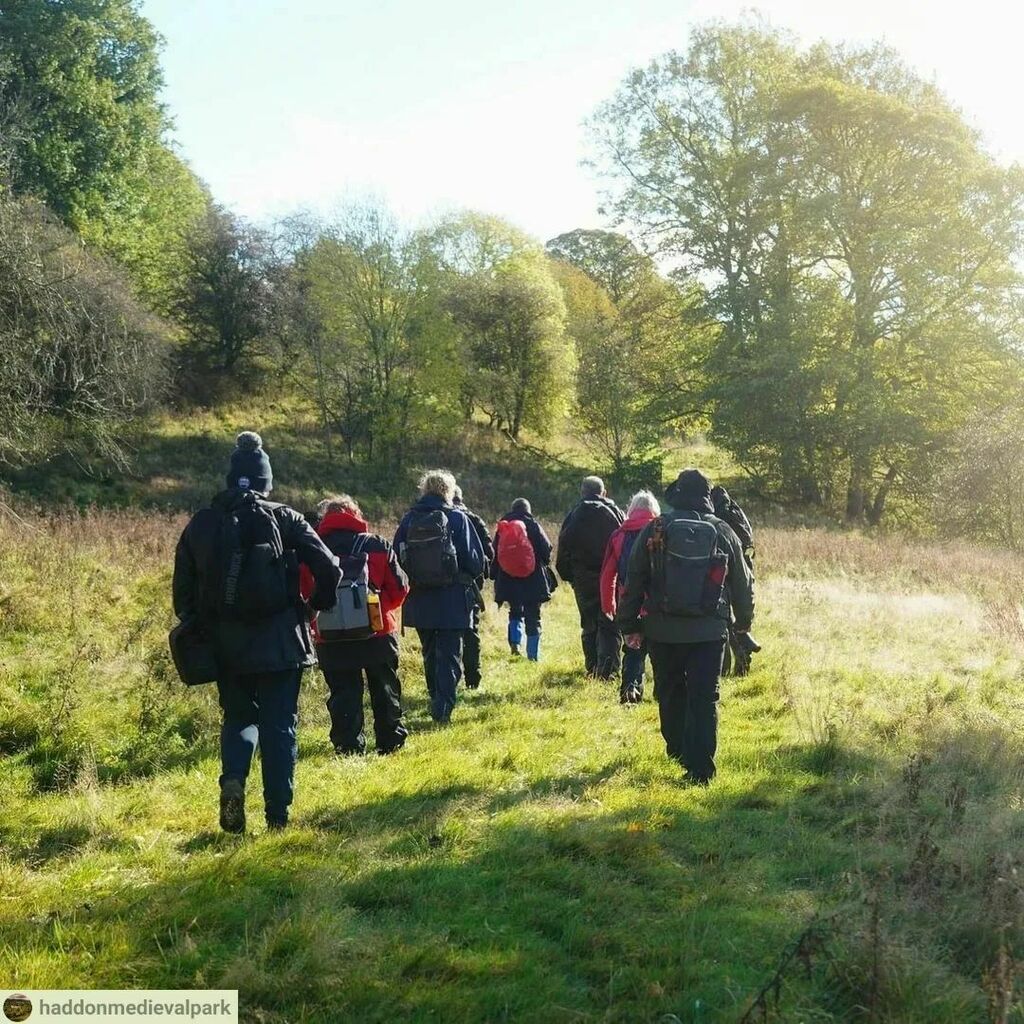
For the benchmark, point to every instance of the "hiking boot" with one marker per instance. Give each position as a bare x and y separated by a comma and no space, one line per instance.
232,806
276,824
516,650
348,751
695,780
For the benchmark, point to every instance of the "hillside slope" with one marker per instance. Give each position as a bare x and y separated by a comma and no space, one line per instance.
538,861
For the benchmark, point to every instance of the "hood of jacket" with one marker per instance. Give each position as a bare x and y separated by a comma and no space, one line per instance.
691,492
637,520
337,522
599,499
435,501
235,497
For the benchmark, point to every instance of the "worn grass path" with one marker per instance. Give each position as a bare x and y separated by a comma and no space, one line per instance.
539,861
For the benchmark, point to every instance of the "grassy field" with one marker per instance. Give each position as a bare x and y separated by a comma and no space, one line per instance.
538,861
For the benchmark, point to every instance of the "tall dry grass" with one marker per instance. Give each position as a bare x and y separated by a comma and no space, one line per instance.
901,562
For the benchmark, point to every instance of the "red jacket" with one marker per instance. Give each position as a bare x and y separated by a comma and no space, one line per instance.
611,586
338,530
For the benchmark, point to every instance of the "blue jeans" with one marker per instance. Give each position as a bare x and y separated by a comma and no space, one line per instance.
528,612
442,666
633,668
261,709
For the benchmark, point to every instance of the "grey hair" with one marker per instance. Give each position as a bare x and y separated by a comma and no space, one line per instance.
457,495
644,500
438,482
592,487
522,507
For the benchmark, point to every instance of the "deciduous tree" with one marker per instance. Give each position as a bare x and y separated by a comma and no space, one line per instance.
223,299
858,243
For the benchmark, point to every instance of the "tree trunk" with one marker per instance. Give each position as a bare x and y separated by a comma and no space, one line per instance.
877,509
855,492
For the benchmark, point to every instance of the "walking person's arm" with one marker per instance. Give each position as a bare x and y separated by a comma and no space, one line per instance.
185,583
740,583
395,585
541,542
486,547
563,560
610,576
637,585
467,545
317,557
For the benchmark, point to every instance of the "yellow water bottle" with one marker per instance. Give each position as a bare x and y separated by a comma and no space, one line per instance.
374,610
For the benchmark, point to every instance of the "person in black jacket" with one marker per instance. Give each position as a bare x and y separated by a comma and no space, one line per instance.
524,594
471,638
236,574
741,646
686,643
581,547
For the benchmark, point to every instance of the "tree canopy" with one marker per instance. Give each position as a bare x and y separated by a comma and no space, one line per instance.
640,340
858,243
86,75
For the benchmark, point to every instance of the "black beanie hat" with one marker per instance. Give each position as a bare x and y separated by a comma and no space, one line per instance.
250,465
691,492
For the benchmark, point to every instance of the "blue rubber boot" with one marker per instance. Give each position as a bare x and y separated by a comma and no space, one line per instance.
533,647
515,636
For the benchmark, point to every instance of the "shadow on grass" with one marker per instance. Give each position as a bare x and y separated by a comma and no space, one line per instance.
406,908
455,903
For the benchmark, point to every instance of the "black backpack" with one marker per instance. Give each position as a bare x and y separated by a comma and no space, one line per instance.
258,579
688,569
622,568
427,554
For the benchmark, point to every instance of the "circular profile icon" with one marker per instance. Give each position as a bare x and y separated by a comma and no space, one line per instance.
17,1007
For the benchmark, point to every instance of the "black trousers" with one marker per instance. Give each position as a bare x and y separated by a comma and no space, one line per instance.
442,667
345,703
601,640
471,652
686,688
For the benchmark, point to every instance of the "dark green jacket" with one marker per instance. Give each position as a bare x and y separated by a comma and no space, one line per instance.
673,629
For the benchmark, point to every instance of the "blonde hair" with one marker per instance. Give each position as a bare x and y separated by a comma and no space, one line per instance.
338,503
643,500
438,482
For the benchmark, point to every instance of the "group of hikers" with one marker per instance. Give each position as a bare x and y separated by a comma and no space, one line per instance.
262,594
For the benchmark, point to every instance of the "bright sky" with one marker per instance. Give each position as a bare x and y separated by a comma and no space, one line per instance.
282,104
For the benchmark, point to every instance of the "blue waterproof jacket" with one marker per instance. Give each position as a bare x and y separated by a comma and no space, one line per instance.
444,607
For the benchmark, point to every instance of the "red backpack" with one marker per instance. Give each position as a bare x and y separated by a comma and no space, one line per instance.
515,552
